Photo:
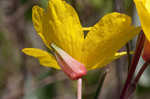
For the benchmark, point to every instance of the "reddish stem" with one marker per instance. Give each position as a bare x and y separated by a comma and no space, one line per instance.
138,76
140,73
134,63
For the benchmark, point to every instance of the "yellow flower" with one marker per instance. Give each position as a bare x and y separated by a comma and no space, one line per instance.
59,24
143,9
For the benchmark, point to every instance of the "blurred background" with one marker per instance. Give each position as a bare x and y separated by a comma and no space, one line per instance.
22,77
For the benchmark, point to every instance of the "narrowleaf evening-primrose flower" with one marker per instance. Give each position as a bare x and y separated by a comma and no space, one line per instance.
143,9
61,31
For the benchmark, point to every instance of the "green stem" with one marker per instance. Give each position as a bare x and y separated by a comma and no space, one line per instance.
98,91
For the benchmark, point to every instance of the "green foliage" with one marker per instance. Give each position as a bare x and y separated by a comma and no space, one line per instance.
128,4
28,14
23,1
97,3
141,89
43,3
46,92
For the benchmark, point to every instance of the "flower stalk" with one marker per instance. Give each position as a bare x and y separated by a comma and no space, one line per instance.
138,51
138,76
79,90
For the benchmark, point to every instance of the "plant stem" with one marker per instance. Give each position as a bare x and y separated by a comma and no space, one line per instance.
140,72
140,44
138,76
98,91
79,93
128,54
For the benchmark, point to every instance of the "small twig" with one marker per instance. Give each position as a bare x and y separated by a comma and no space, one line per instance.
134,63
79,91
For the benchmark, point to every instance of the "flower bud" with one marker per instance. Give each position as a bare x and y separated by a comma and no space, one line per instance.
69,65
146,51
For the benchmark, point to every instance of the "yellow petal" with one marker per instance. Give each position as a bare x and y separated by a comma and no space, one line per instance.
116,56
111,33
61,26
45,58
37,14
143,9
44,40
146,4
